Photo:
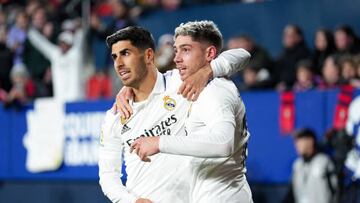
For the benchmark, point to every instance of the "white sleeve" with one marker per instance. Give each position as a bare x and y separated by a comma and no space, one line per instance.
110,163
42,44
79,39
214,140
229,62
219,142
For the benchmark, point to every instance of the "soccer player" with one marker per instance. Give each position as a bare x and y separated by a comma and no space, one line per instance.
216,128
157,111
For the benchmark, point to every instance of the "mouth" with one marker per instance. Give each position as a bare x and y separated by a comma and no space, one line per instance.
124,74
182,70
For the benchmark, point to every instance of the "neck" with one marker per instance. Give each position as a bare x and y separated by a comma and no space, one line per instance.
142,92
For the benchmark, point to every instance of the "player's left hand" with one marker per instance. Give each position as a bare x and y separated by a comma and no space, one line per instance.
145,147
193,85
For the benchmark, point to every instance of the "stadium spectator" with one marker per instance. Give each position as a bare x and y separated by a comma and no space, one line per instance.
295,49
346,40
164,57
330,73
348,70
36,63
260,58
305,78
313,176
324,46
22,89
17,35
66,62
357,65
6,58
257,74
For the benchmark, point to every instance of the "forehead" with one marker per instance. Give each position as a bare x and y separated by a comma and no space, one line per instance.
121,45
185,40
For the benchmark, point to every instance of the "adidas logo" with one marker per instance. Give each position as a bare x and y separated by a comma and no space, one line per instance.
125,129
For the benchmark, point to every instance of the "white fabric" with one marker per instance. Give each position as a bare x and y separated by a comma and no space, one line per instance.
216,130
310,180
44,139
65,67
230,62
167,177
164,178
352,161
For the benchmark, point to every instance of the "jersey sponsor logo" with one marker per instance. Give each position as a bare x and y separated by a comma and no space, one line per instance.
125,129
169,103
162,128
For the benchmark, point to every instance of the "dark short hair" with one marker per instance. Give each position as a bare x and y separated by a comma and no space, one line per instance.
138,37
305,133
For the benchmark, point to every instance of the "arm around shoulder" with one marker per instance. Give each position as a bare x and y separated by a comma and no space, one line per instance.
229,62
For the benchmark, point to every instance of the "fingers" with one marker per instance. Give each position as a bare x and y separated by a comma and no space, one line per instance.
187,90
190,95
114,108
136,148
143,156
125,107
181,88
133,146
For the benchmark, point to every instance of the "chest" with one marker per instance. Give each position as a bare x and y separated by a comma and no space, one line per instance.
163,115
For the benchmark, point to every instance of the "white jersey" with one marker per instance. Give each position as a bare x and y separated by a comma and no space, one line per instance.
161,180
166,177
217,137
313,181
353,128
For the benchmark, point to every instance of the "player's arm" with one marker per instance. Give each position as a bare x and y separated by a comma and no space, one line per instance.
217,140
226,64
110,163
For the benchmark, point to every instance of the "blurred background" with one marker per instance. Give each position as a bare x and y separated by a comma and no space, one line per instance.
304,74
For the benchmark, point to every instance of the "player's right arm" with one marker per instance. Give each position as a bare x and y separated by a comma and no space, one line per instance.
110,162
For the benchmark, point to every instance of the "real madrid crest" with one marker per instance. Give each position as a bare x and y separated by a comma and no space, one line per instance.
123,120
169,103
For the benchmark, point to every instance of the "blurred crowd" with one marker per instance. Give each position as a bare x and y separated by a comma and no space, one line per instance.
44,44
335,60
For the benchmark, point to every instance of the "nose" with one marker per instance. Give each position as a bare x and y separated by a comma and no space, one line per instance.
118,63
177,58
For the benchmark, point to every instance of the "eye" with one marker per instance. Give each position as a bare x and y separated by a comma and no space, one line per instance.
125,53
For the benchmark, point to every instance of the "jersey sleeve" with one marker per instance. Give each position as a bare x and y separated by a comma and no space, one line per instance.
110,163
216,140
229,62
42,44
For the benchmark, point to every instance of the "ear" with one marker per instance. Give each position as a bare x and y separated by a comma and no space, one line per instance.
149,56
211,53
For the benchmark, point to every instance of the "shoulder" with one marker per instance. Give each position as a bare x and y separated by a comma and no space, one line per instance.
111,118
172,80
220,90
322,160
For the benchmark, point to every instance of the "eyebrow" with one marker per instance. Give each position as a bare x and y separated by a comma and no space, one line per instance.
182,45
120,52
